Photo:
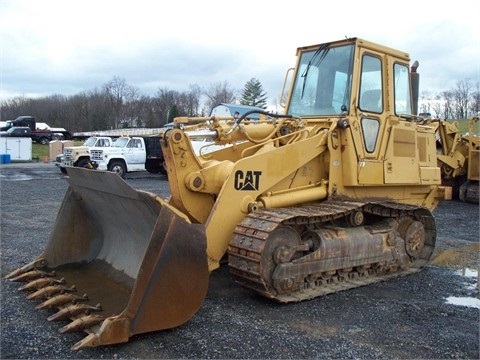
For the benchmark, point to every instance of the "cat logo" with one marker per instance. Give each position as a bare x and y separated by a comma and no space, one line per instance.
248,180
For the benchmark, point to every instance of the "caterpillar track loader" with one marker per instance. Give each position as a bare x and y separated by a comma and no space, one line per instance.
458,158
335,193
469,190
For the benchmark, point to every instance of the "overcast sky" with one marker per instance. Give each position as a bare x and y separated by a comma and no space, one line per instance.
69,46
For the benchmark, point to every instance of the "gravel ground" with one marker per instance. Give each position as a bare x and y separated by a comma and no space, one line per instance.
418,316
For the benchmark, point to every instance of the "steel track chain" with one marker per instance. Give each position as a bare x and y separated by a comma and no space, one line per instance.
250,237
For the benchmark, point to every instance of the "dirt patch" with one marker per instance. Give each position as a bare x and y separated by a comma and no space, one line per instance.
463,257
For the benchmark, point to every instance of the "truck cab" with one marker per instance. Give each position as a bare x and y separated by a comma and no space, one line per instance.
79,156
126,154
20,122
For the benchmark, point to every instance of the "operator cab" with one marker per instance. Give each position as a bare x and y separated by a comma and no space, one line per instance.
325,83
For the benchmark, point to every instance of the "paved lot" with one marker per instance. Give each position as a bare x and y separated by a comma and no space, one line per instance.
433,314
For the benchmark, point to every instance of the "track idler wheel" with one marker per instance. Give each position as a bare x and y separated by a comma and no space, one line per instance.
413,232
281,247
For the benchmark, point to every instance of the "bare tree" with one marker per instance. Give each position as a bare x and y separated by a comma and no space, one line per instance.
192,105
150,116
117,90
18,106
461,96
80,110
170,103
145,110
448,104
56,111
426,103
474,104
437,106
133,106
99,116
188,103
163,104
220,92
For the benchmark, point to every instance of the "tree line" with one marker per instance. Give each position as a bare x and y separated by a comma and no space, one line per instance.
461,102
118,104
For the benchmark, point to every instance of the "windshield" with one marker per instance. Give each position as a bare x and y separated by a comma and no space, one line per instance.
90,142
16,129
323,82
120,142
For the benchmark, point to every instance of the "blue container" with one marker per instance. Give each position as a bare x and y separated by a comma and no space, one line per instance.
5,159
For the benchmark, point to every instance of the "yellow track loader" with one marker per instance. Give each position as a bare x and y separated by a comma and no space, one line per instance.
335,193
458,158
469,190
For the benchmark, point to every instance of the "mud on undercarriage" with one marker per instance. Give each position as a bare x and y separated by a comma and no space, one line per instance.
300,253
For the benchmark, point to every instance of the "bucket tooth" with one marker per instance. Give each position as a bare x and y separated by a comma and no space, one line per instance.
113,330
82,323
74,310
36,264
32,275
50,291
148,268
61,300
40,283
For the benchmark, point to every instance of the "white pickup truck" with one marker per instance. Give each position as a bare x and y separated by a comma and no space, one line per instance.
129,154
79,156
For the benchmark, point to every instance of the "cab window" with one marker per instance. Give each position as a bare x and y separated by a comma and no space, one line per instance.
402,90
371,98
370,133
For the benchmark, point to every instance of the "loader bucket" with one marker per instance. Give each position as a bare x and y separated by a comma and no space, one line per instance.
134,263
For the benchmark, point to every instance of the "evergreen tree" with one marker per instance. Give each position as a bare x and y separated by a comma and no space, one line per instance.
253,94
172,113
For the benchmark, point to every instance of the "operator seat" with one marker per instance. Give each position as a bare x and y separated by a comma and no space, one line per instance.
370,100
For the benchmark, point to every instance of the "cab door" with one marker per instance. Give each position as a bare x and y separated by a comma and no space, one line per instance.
371,122
135,152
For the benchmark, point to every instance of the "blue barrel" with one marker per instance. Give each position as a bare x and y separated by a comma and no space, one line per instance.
5,159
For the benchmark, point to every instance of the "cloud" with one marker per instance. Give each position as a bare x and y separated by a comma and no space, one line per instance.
50,47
